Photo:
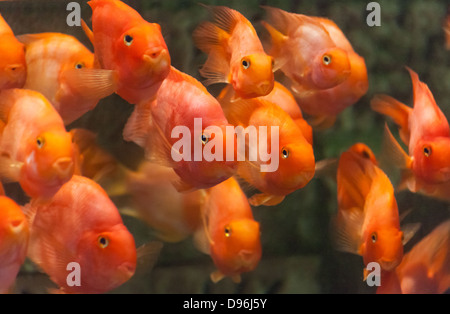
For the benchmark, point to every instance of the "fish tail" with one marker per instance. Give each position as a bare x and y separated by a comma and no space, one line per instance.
394,109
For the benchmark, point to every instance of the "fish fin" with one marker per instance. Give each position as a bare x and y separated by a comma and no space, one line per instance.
347,230
409,231
179,76
202,238
393,150
130,212
236,278
326,168
89,33
216,276
216,69
396,110
147,256
92,83
265,199
9,169
6,103
277,40
322,122
224,17
182,186
137,128
208,37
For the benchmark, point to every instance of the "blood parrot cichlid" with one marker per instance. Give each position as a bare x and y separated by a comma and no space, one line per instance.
367,221
278,159
235,54
304,51
36,150
185,128
425,130
13,68
130,50
230,233
51,60
80,224
14,237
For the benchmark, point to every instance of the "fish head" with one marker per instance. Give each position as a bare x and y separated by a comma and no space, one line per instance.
13,67
109,256
384,246
237,245
14,230
142,55
432,160
253,75
330,68
49,164
296,167
363,151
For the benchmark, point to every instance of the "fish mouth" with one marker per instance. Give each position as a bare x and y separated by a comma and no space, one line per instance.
388,265
248,259
157,58
125,271
64,167
264,88
17,226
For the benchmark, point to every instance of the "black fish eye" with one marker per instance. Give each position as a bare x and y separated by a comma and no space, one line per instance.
102,242
79,65
245,63
326,59
374,237
127,39
284,153
366,154
427,151
40,141
204,139
227,231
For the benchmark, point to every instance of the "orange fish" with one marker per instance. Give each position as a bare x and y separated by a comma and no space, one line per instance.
425,268
36,150
14,235
304,51
184,128
51,59
173,216
231,235
235,54
290,164
131,50
425,130
13,68
323,106
367,222
80,224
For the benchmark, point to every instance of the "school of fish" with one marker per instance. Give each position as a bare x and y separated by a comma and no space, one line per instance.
297,82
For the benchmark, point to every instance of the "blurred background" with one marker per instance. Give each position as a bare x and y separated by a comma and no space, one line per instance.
297,253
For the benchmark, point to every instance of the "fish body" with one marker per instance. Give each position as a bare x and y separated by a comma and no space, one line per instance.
36,150
131,48
13,67
232,234
178,128
80,224
235,54
14,237
51,59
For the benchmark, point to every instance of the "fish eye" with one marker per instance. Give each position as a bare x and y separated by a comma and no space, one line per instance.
128,40
366,154
227,231
79,65
245,63
374,237
102,242
273,63
205,139
326,59
284,153
40,142
427,151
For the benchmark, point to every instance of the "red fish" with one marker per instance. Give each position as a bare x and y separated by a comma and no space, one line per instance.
425,130
173,216
181,100
14,235
290,164
425,268
367,222
305,52
235,54
51,59
80,224
13,68
323,106
231,235
36,150
132,49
